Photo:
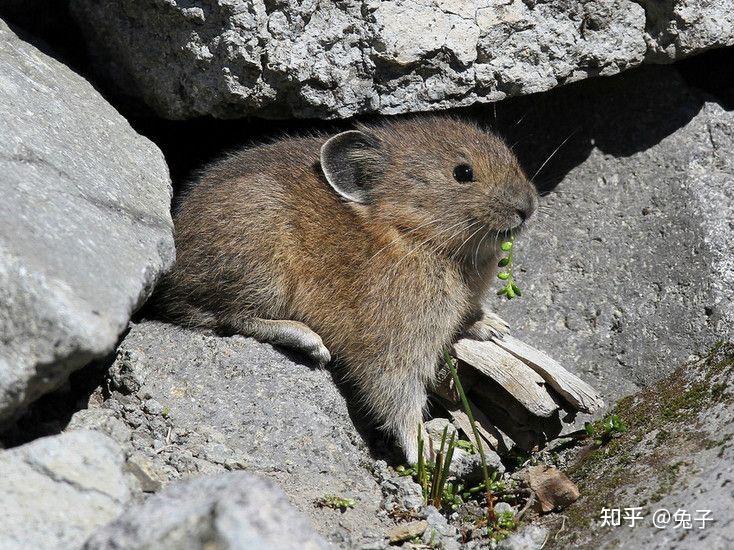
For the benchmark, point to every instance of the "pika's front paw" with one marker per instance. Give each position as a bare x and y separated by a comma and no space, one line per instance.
488,327
314,347
321,355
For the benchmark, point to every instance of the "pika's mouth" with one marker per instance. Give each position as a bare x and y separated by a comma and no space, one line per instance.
517,218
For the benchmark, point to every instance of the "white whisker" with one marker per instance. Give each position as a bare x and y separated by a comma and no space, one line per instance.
551,156
429,222
458,250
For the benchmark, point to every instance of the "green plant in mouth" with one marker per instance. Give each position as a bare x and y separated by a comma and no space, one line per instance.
510,290
602,431
336,502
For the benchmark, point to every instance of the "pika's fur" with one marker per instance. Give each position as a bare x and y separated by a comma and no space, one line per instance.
381,241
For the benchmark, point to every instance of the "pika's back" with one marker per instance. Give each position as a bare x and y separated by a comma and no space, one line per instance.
254,176
256,226
272,194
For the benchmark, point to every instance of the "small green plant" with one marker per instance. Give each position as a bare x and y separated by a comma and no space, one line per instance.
510,290
467,446
441,491
166,412
451,363
602,431
336,502
503,526
433,477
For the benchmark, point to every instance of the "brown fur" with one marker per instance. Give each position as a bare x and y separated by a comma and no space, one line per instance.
387,284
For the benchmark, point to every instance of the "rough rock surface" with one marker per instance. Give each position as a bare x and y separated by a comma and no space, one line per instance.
231,58
675,462
57,490
628,269
200,404
232,511
85,225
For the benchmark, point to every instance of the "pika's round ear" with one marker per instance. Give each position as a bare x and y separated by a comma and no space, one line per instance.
351,162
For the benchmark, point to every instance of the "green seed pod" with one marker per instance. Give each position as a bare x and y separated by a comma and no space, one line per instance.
516,289
510,293
502,291
503,262
506,246
503,275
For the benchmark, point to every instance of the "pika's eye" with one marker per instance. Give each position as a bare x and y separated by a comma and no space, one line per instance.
463,173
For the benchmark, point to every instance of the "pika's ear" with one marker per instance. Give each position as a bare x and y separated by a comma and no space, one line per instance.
352,162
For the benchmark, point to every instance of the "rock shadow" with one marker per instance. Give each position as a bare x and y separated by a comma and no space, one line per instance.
555,131
51,413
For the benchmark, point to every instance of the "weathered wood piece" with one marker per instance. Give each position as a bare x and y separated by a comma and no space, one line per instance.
519,396
517,378
579,394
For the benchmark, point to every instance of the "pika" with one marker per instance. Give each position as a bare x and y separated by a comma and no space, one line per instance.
375,245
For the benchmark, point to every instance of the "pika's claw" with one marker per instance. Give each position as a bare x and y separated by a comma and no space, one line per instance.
319,353
488,327
310,343
290,334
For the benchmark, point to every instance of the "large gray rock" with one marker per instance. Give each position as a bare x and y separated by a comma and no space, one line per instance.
57,490
201,404
675,464
628,269
231,58
85,229
233,511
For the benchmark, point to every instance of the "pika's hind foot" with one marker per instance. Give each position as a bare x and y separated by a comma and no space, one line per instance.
290,334
488,327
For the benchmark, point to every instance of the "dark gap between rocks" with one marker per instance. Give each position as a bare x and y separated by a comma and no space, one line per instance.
713,73
51,413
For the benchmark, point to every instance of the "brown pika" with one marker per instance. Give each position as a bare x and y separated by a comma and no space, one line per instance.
375,246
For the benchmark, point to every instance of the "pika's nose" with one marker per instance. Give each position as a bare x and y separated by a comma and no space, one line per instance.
527,207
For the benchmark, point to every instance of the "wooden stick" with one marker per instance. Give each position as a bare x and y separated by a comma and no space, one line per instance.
518,379
578,393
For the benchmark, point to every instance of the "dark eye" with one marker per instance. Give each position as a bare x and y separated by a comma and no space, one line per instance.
463,173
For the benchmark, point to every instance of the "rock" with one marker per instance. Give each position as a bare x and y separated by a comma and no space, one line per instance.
237,58
532,537
233,511
233,403
57,490
144,471
439,533
552,487
627,270
675,460
435,428
403,492
86,226
407,531
101,420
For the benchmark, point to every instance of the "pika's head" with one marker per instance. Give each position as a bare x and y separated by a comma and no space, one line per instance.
439,180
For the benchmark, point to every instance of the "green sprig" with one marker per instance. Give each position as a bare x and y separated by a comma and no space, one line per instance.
510,290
